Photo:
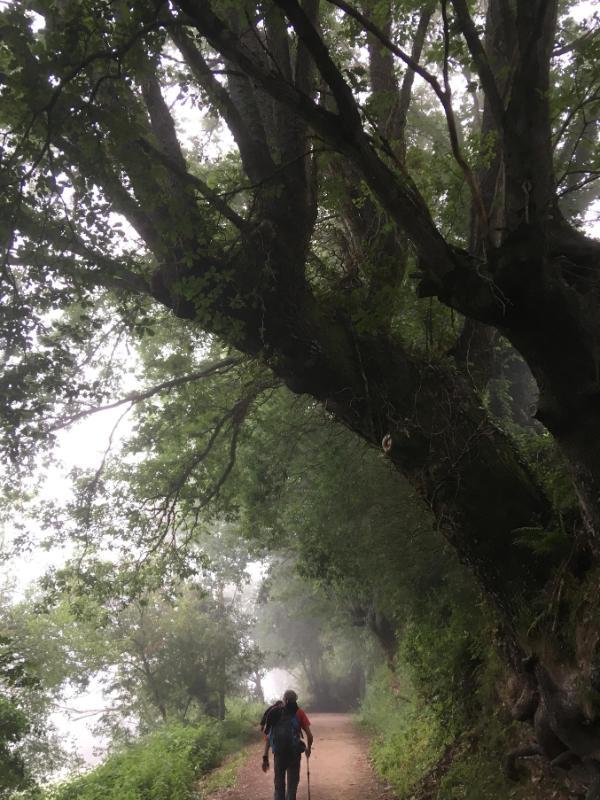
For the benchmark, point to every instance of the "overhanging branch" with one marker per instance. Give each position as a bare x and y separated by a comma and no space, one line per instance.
137,397
443,95
205,190
482,64
112,273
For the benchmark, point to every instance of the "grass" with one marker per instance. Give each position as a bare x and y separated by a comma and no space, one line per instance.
419,758
223,777
240,728
405,739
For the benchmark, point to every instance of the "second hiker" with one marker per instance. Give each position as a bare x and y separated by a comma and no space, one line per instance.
284,724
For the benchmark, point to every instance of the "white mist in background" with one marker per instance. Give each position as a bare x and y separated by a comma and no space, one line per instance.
275,682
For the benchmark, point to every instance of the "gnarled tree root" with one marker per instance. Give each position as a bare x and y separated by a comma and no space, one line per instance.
510,760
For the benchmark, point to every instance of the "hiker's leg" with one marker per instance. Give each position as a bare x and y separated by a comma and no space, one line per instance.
279,767
293,778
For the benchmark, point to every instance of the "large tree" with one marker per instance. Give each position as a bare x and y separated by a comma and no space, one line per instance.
297,253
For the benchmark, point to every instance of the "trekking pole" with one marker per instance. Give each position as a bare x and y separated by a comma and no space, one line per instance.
308,775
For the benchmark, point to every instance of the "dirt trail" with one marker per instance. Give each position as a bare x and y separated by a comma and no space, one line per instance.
339,769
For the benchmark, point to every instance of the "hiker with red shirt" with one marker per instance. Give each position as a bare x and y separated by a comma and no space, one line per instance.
283,724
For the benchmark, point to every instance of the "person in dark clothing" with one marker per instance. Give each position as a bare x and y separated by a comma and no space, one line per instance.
284,724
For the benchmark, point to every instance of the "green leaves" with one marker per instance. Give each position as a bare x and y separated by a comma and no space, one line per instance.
163,766
13,727
23,708
554,544
15,672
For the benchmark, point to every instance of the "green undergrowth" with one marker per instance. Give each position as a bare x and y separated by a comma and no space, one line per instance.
160,766
405,740
411,748
424,758
438,725
223,777
240,727
474,772
164,765
478,777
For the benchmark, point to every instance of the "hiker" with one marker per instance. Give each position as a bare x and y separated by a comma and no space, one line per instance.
283,724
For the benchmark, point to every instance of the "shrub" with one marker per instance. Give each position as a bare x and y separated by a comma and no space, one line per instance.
161,766
407,737
242,720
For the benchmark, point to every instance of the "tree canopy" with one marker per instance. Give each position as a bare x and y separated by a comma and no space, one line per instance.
394,227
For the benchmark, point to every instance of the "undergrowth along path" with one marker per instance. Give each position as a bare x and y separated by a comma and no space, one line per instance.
339,767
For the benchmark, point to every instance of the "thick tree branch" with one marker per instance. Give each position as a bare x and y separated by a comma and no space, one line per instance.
342,93
446,58
99,169
255,156
304,72
290,134
396,192
482,65
384,82
161,121
214,198
229,45
277,42
508,19
254,105
530,181
415,55
162,196
442,95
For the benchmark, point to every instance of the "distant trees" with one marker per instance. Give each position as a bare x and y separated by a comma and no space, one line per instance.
161,656
178,660
302,629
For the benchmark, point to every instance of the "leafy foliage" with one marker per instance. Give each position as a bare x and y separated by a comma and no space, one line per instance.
13,727
24,703
160,656
359,244
163,766
406,737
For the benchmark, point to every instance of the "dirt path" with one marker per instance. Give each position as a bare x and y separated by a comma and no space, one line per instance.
339,769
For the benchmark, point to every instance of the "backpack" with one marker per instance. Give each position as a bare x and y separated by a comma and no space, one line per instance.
264,720
284,731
